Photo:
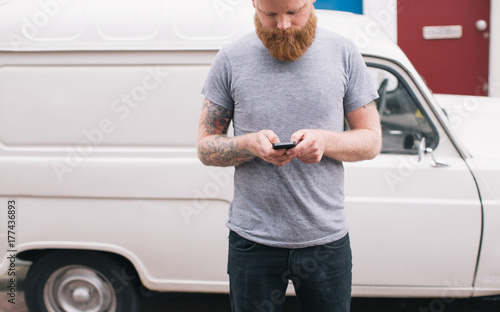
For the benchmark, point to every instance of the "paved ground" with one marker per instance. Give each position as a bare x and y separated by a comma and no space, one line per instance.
220,303
183,302
180,302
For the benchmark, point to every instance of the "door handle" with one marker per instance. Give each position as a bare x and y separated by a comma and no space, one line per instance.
481,25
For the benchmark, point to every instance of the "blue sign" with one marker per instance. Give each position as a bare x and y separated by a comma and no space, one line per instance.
355,6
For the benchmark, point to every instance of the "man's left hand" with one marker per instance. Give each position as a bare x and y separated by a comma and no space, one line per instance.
310,147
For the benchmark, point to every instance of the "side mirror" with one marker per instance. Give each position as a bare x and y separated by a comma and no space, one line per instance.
423,149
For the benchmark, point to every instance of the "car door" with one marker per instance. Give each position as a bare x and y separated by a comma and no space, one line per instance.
413,224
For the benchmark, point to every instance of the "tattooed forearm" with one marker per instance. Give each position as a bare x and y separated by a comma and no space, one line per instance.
214,148
222,151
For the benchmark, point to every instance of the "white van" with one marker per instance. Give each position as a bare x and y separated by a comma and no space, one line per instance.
103,192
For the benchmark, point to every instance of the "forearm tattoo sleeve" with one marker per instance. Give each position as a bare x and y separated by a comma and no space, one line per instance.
216,149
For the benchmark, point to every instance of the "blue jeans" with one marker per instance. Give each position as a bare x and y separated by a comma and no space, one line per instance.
259,276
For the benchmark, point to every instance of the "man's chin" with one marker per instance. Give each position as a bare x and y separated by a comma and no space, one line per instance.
287,56
288,45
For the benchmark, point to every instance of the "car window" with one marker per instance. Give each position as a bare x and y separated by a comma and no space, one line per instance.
403,122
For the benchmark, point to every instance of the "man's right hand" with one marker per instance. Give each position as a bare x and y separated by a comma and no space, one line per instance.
216,149
262,147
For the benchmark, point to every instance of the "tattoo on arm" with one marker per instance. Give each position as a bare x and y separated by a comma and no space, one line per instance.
217,149
217,118
222,151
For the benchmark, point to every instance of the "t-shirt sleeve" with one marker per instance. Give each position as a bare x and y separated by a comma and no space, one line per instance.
360,88
217,86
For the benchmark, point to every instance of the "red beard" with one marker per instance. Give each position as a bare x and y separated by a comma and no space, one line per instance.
287,45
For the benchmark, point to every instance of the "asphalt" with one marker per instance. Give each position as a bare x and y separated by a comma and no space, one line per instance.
189,302
182,302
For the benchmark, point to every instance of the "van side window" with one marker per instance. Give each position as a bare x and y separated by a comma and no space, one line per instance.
403,122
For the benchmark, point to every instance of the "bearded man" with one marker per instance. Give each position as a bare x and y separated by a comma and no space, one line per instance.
291,81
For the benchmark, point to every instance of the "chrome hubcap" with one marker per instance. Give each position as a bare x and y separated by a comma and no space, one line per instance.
78,288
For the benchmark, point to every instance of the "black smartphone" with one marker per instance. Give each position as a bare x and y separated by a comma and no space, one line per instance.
284,145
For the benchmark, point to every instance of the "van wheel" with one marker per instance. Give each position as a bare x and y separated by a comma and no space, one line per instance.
80,281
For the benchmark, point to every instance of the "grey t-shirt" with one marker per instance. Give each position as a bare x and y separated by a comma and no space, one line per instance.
297,205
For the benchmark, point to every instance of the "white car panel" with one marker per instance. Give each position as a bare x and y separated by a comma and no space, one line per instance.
475,120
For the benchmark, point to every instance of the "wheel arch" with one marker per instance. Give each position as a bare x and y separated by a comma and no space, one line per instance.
33,255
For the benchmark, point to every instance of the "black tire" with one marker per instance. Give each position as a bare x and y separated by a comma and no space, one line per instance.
87,281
